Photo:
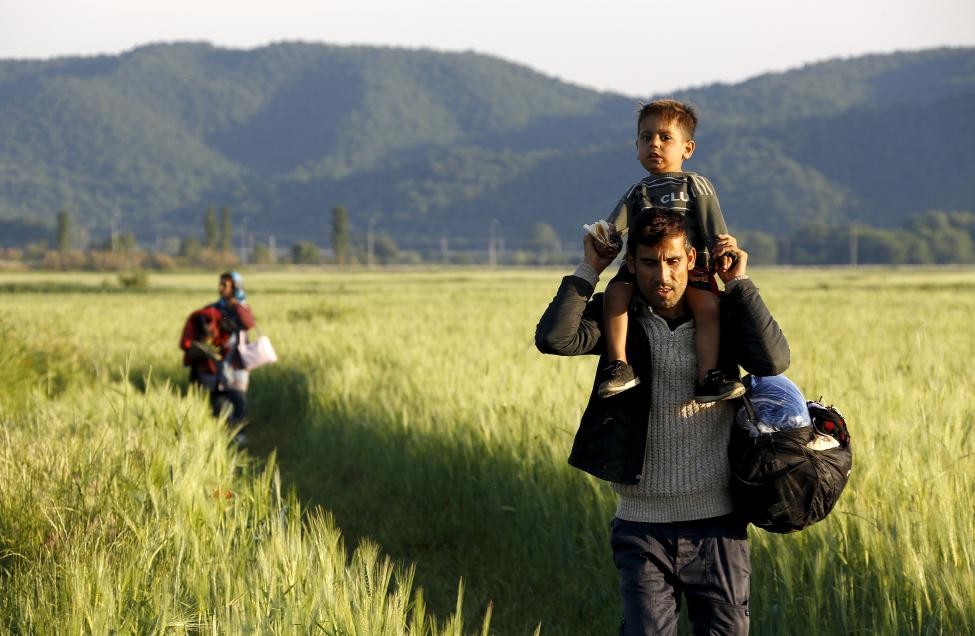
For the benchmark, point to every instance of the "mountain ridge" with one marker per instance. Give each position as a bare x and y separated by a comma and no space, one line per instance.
429,144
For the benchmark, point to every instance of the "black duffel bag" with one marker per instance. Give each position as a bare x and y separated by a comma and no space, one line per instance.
786,480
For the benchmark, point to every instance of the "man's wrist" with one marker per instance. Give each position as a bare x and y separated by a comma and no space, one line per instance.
587,272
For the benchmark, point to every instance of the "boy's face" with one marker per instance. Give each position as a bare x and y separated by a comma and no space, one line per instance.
662,146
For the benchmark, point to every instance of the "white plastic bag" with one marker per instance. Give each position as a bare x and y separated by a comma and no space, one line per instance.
256,354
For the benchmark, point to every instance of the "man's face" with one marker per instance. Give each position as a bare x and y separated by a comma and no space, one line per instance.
662,146
661,274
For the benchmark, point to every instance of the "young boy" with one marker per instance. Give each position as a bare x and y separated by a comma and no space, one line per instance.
665,139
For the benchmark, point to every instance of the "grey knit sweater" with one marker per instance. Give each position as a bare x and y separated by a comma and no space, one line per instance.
685,468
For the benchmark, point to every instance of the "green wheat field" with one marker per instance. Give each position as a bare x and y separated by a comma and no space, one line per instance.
406,467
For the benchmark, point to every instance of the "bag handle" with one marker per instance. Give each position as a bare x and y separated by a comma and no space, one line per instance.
244,339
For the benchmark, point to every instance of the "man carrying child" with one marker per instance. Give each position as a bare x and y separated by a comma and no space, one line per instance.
675,534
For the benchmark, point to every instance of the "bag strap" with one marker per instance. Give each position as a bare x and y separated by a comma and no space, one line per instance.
749,407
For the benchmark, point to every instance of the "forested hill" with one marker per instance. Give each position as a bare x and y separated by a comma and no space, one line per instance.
429,144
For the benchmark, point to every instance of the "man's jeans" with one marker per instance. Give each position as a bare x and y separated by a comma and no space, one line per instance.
707,561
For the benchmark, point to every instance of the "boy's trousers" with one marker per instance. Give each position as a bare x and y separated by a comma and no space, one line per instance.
705,561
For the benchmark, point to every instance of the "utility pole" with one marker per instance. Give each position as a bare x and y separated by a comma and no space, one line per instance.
340,234
444,253
243,241
115,219
226,238
370,241
493,244
854,245
272,248
64,231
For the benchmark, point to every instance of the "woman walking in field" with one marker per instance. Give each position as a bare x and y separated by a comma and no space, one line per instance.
210,339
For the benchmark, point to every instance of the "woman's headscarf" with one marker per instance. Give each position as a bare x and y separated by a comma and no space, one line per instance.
239,294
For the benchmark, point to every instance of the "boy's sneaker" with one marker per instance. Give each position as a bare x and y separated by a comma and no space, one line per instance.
717,386
616,377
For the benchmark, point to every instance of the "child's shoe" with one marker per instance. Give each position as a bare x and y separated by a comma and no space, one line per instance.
717,386
615,377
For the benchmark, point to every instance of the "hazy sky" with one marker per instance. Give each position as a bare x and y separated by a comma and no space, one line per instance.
637,48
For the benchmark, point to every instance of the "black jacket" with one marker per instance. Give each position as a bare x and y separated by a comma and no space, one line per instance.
612,435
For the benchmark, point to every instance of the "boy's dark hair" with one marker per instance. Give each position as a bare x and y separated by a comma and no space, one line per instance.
670,110
653,225
203,324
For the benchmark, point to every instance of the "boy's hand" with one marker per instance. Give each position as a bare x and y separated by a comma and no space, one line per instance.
730,260
597,255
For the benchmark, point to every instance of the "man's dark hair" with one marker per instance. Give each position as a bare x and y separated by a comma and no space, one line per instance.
654,225
670,110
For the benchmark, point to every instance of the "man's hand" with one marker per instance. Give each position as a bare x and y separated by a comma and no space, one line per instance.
597,255
730,259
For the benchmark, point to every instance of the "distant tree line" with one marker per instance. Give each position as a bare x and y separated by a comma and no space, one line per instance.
933,237
58,248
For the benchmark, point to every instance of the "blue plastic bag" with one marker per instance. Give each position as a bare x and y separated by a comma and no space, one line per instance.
777,404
